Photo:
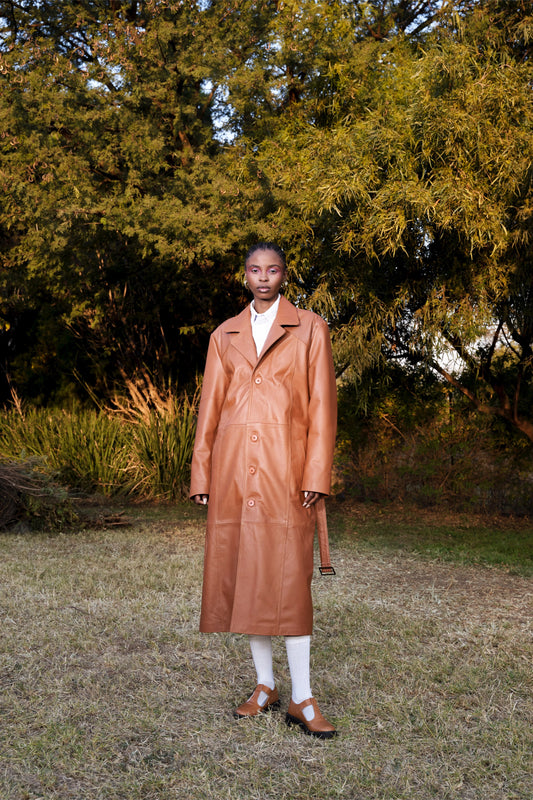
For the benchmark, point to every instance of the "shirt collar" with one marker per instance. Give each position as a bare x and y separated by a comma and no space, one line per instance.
267,316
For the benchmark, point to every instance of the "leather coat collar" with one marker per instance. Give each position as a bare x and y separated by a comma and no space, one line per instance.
240,328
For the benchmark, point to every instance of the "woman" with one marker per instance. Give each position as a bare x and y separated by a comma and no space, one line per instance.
262,460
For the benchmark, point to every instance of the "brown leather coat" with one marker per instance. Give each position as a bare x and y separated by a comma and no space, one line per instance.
266,432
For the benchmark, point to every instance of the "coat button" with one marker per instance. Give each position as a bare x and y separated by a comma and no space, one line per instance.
251,503
258,380
254,437
252,470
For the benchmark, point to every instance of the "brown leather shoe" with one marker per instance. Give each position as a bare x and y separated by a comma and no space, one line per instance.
252,707
318,726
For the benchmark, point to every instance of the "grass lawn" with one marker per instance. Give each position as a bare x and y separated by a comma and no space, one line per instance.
421,656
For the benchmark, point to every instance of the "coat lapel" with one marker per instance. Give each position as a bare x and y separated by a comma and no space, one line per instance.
241,331
241,336
287,316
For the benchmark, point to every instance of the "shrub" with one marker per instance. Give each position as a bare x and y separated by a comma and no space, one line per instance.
162,451
141,448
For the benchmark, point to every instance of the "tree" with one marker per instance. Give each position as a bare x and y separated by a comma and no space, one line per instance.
424,193
146,144
129,170
119,218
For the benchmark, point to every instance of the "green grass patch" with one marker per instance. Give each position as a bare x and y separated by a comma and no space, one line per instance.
458,538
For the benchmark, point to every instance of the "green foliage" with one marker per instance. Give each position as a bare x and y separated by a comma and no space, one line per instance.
422,189
115,208
51,511
386,146
85,449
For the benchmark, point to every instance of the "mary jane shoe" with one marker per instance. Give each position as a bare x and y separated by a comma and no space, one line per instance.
318,726
252,707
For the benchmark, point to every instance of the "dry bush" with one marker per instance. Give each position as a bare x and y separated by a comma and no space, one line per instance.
30,495
463,465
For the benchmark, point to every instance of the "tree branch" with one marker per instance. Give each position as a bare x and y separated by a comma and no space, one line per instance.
505,411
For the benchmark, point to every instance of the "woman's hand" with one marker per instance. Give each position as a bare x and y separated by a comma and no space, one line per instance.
200,499
310,498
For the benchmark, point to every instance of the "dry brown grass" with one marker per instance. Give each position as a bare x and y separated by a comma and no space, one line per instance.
109,692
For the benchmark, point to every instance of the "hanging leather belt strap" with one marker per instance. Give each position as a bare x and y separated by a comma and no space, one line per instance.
323,539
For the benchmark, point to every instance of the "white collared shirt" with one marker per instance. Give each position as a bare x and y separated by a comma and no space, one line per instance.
261,324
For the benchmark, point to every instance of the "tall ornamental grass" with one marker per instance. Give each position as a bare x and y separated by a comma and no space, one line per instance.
162,445
145,456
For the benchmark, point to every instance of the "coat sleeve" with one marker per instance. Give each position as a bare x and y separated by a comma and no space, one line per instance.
212,398
322,426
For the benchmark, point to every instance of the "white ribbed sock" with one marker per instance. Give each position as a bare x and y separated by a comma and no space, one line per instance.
261,647
298,656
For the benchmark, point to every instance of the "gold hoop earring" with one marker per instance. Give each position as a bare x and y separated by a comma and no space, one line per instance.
246,284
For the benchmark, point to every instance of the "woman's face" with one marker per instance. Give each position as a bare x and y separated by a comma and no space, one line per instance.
265,274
